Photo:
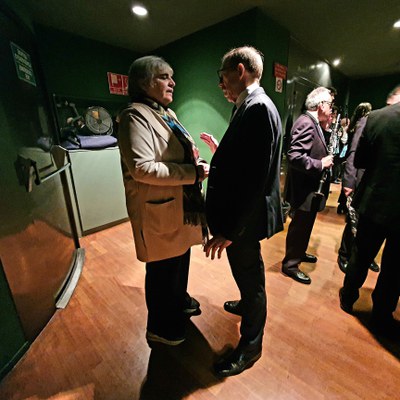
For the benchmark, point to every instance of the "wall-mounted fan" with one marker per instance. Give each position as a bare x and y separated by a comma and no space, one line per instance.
98,121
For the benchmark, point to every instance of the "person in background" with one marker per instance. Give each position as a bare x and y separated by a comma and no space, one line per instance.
340,151
351,178
393,96
308,158
162,176
243,203
343,137
333,92
376,200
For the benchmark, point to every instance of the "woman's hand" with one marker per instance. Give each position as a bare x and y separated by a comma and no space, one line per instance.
210,141
203,170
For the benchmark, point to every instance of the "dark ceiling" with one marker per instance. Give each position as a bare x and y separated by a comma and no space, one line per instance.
360,32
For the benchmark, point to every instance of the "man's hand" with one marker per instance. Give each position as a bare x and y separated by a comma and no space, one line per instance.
203,170
216,243
210,141
347,191
327,162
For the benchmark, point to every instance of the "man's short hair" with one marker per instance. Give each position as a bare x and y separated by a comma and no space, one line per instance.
317,96
249,56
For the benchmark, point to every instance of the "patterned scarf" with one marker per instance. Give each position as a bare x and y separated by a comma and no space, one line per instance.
193,199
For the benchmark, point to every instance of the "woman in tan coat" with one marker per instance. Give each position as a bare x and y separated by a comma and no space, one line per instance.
162,177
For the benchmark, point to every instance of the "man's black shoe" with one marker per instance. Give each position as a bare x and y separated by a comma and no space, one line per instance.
233,307
346,306
374,267
236,363
342,264
192,307
297,275
309,258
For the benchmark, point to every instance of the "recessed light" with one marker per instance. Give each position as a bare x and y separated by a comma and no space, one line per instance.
397,24
139,10
336,62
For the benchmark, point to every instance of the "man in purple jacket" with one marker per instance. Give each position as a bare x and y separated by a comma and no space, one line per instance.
307,157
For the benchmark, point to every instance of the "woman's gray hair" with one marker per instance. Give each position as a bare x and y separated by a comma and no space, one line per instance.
141,73
317,96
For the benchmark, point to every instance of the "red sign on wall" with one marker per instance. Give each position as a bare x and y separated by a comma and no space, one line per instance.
117,83
280,71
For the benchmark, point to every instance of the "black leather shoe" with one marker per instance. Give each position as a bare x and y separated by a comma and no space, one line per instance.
309,258
236,363
342,264
233,307
297,275
345,305
192,306
374,267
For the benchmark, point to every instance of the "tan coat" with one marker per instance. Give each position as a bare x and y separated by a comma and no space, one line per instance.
153,173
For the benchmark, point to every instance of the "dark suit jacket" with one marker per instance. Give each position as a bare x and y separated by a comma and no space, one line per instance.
306,149
243,195
377,195
352,175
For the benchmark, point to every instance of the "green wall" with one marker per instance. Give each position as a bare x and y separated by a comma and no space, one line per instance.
13,344
273,40
76,66
198,101
373,90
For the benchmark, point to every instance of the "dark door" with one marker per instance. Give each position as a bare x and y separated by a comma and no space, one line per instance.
36,241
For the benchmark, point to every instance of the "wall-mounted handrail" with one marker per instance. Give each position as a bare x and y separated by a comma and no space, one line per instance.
39,180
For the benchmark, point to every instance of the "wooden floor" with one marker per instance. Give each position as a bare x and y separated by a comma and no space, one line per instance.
96,349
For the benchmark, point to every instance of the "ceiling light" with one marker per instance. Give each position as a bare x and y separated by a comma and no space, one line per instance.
139,10
397,24
336,62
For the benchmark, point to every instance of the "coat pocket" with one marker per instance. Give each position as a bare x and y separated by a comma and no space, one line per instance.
161,216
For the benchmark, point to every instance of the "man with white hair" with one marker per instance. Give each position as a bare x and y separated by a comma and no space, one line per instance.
307,157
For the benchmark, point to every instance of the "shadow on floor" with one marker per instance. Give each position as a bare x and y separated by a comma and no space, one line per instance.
390,344
176,371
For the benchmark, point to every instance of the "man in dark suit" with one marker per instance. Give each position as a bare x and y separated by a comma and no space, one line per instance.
351,178
243,203
376,200
307,157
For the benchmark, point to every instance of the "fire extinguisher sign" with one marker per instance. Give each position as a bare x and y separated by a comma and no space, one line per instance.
117,83
280,72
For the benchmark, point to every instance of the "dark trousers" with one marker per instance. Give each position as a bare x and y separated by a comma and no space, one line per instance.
347,242
248,271
165,286
298,237
369,239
